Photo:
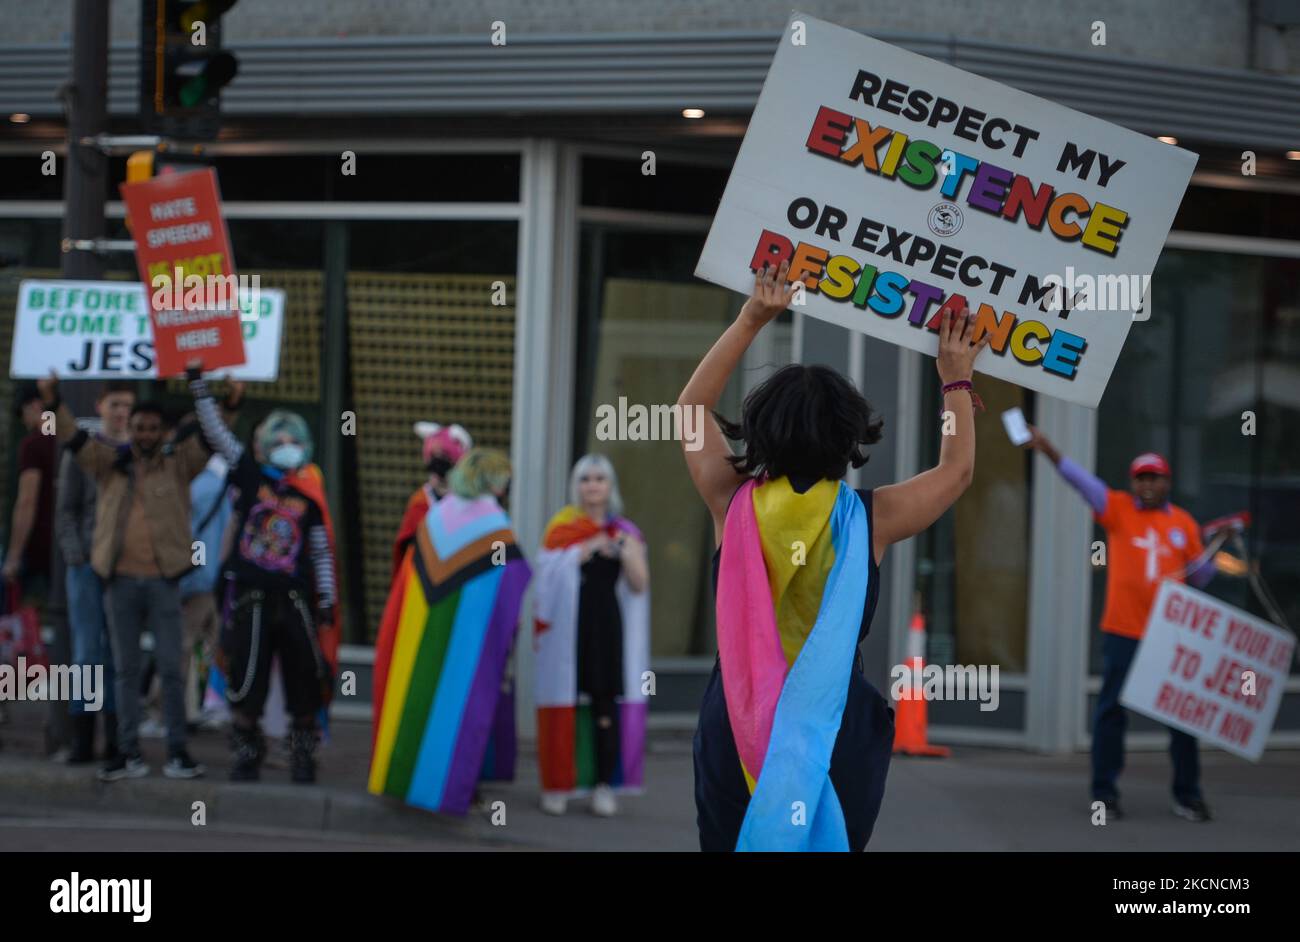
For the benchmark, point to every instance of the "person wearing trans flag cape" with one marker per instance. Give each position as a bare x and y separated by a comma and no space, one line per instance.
592,637
793,744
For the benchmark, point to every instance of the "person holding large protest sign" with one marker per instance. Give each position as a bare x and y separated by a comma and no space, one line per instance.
74,528
793,743
280,580
141,547
1148,540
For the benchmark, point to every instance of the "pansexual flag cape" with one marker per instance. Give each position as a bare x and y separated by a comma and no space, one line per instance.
441,657
792,585
566,749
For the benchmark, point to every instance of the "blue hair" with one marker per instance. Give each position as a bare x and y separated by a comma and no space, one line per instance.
282,421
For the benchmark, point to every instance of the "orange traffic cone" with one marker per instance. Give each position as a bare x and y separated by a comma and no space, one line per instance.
910,710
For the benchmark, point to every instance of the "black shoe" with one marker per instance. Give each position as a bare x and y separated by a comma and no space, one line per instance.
180,765
248,749
1194,810
124,766
302,764
83,739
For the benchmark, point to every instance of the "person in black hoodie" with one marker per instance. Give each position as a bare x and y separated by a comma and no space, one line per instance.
278,578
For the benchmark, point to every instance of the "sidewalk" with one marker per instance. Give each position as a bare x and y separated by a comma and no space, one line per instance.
980,799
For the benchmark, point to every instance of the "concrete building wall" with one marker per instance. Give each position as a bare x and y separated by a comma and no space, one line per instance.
1211,33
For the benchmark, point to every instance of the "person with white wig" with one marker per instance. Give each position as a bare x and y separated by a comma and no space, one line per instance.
593,645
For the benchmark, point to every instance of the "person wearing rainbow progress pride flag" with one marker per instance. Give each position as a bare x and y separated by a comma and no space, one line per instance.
441,446
793,743
592,636
444,700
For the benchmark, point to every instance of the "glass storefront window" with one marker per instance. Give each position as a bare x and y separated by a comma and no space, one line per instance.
644,322
972,565
384,178
426,340
1223,345
674,187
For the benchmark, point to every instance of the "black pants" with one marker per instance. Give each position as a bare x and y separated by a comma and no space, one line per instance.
264,623
604,713
1110,721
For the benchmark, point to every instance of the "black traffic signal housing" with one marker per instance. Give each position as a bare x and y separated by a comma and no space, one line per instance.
183,67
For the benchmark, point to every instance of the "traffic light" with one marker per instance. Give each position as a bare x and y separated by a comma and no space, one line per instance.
183,67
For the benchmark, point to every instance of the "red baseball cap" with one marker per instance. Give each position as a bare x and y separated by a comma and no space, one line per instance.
1149,463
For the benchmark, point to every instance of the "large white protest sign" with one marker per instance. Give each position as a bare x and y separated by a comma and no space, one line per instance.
1209,669
898,187
101,330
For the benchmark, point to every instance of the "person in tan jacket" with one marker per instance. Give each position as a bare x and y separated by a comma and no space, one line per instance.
140,548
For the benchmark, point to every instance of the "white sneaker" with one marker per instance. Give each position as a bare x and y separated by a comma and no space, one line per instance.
603,804
554,803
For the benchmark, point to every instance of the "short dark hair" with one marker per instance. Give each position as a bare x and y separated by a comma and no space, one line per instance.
26,393
115,387
806,421
148,407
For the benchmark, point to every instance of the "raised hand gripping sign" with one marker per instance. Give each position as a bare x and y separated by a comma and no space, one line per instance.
898,187
182,251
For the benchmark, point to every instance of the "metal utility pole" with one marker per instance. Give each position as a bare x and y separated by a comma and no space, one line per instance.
85,178
85,185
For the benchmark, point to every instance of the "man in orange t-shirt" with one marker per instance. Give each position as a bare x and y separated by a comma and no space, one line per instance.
1148,540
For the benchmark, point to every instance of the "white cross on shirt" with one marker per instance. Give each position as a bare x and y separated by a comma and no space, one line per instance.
1151,543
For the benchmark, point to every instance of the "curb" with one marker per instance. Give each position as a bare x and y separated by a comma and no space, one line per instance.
32,786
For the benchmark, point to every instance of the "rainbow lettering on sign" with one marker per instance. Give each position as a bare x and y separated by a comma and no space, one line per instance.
886,293
995,190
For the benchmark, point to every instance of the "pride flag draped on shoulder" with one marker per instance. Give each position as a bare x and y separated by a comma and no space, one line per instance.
440,659
565,728
792,585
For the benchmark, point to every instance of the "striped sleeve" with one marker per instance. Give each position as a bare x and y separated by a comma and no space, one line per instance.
218,434
318,542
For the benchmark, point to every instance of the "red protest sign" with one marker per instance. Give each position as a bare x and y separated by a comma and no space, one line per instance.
182,251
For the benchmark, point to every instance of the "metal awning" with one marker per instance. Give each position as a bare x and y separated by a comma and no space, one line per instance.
639,74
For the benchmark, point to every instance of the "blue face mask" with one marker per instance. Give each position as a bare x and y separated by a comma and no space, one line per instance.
287,456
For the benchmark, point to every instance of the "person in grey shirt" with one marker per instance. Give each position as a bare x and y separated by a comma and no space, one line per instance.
74,527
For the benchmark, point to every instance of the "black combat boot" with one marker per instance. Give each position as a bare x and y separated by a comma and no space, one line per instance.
83,739
302,762
248,748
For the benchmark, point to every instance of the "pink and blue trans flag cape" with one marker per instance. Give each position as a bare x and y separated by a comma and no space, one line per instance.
788,626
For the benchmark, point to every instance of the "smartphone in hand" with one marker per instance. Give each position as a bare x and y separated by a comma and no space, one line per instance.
1013,420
